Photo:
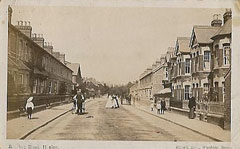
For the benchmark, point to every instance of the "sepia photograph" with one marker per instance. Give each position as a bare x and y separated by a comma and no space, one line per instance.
124,73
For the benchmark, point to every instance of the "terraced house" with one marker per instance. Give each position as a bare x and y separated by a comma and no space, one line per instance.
182,82
201,66
32,70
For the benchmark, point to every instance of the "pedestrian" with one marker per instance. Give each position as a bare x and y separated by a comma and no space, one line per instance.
114,99
117,104
83,103
109,103
158,107
74,104
191,106
152,104
163,106
29,107
79,102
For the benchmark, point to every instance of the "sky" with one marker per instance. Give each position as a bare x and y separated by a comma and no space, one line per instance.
112,44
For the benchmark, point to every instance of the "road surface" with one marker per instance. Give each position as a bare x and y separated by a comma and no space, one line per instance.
126,123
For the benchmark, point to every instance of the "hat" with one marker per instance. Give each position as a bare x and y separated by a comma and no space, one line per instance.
30,99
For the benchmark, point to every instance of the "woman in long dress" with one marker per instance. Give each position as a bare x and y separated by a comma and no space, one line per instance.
110,102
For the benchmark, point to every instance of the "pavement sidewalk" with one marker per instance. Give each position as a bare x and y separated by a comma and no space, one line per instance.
19,127
196,125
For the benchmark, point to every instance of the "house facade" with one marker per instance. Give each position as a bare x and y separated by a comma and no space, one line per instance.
32,69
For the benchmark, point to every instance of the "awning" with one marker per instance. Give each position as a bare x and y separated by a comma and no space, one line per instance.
163,92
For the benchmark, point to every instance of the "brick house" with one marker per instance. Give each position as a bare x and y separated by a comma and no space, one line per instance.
220,76
201,45
34,70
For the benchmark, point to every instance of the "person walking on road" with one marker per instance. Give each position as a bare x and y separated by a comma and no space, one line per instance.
158,107
29,107
116,100
79,102
152,104
74,104
163,106
192,106
83,102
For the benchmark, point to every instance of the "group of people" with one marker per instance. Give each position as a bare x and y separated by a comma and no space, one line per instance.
79,106
112,102
159,104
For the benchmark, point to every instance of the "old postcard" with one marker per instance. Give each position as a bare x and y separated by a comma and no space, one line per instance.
115,74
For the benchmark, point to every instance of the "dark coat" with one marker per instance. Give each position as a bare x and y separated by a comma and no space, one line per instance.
192,102
163,104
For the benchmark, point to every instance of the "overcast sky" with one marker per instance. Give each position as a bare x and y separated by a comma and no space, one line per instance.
114,45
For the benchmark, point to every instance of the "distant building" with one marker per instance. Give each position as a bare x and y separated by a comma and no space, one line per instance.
145,85
76,75
182,80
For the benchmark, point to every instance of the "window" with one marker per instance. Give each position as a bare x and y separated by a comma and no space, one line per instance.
35,86
206,56
223,87
21,79
196,85
226,55
193,85
186,92
216,84
187,66
205,87
50,87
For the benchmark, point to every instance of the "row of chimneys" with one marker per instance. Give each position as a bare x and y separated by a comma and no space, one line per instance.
35,35
46,44
217,22
23,23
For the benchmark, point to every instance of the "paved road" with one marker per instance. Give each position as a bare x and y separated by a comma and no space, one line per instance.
125,123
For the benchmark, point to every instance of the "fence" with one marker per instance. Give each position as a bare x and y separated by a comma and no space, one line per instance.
17,102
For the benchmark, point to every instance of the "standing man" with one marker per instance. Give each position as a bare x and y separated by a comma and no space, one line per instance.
163,106
191,106
79,102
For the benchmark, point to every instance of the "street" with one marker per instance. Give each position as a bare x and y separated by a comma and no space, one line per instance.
126,123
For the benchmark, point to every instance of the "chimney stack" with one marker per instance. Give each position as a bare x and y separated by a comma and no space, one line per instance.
24,27
227,15
38,39
216,22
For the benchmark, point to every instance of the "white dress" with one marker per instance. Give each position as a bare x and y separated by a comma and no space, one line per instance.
110,103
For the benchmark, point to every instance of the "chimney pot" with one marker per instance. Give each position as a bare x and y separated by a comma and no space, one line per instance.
216,22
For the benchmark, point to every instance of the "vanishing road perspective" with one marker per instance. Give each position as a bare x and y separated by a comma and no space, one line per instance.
100,123
126,74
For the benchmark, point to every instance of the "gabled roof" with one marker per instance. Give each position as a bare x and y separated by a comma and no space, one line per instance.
224,30
183,43
203,33
74,67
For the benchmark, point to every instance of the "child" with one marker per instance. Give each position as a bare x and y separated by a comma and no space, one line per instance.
29,107
152,104
158,107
